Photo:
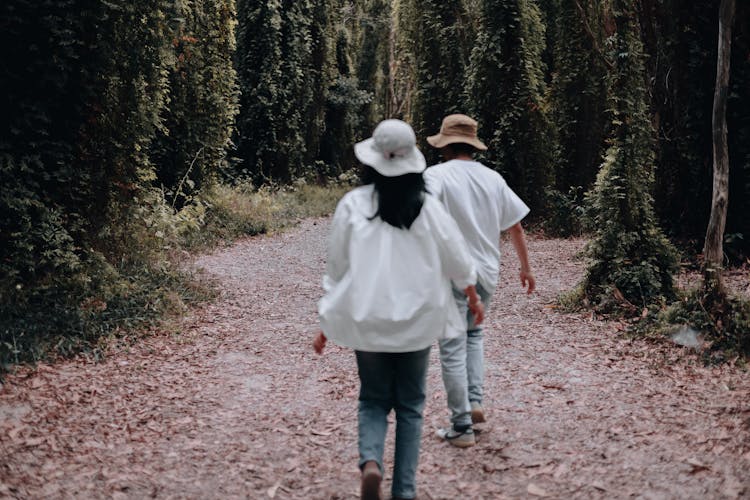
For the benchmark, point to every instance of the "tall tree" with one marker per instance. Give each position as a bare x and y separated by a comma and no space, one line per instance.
713,249
202,98
439,45
259,60
575,34
630,258
373,60
345,103
506,90
680,39
401,65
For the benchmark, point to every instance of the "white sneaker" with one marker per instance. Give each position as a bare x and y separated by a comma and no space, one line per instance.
463,439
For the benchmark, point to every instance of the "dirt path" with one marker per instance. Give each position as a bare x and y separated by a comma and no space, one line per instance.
231,403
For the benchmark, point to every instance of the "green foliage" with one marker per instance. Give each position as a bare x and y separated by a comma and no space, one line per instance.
726,325
74,315
296,80
243,210
81,116
373,68
202,99
86,94
259,58
343,113
628,255
566,214
578,90
506,94
437,35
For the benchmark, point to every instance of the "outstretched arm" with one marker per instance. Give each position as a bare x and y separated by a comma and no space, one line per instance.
518,238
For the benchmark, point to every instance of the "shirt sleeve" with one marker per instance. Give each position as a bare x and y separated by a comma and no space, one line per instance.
457,262
512,208
432,183
337,261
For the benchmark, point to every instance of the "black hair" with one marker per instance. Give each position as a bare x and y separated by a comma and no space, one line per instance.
460,148
400,198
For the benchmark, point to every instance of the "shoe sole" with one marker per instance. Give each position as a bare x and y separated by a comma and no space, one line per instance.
371,486
462,444
459,441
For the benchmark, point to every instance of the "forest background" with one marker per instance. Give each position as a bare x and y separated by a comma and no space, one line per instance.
135,131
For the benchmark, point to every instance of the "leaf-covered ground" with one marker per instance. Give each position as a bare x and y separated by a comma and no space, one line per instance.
231,402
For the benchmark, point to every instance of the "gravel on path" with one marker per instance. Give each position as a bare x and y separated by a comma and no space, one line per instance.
231,402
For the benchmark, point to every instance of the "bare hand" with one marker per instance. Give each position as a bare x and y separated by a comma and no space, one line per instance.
319,342
527,279
477,309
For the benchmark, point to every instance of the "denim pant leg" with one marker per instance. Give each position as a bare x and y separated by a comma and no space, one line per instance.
475,349
411,374
376,377
453,365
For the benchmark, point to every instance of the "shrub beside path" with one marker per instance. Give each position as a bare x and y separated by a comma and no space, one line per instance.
231,402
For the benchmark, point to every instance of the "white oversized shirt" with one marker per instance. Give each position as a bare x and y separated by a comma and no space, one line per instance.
482,205
389,289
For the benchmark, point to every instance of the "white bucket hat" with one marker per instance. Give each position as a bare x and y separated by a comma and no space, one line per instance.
392,150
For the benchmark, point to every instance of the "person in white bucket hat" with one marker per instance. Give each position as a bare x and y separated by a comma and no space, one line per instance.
392,150
394,255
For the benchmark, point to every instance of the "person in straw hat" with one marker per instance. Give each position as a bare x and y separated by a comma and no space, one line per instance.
483,206
393,252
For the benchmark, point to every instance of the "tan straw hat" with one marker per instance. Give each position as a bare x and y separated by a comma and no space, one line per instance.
456,129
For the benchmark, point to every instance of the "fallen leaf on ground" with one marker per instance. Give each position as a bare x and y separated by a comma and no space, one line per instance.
271,492
535,490
696,465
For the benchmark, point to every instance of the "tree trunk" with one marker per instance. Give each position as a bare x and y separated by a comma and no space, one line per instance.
713,250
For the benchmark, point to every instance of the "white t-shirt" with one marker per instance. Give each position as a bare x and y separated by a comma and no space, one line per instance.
389,289
482,205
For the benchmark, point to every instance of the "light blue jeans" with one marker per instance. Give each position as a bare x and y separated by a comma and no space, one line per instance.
462,363
392,381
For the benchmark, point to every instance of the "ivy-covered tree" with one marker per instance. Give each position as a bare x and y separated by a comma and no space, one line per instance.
578,89
293,87
439,43
506,95
631,261
85,90
373,68
344,105
202,98
401,67
81,105
317,77
259,67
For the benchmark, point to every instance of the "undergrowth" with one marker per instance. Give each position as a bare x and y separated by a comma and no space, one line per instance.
115,295
724,325
722,329
232,212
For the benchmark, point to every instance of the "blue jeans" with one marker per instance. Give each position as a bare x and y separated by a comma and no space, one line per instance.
392,381
462,363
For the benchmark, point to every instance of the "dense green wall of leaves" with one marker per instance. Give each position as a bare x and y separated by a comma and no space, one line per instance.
506,94
439,40
104,106
301,102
